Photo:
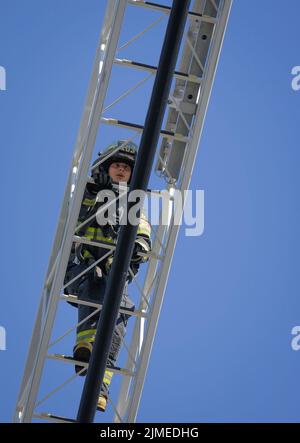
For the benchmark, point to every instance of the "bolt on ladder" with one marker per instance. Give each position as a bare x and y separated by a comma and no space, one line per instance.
193,80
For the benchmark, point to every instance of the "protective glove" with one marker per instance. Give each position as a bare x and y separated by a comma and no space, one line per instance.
97,273
108,264
79,258
136,258
102,178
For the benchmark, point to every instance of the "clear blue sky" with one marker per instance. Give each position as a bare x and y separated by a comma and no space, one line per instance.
222,350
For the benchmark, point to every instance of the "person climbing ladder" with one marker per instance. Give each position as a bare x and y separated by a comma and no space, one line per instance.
113,167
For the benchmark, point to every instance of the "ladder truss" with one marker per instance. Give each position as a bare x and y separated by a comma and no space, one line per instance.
187,105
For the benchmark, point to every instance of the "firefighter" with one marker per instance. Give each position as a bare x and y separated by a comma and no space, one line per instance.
116,166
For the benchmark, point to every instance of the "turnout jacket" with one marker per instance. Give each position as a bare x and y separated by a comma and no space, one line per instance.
107,232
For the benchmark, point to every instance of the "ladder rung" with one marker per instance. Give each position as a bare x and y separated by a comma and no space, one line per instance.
144,67
55,418
167,9
69,359
98,244
74,299
166,134
107,245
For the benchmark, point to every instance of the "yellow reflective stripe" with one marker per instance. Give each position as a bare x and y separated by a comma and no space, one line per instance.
88,202
144,231
90,231
105,239
86,340
97,234
144,227
99,238
87,336
107,377
87,332
87,254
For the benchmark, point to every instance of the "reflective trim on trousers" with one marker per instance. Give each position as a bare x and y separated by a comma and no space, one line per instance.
87,336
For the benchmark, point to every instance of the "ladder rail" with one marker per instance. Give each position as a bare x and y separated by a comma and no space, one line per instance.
137,341
139,380
167,9
68,217
184,127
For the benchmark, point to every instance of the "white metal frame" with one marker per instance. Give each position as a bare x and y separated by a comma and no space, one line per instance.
70,209
129,401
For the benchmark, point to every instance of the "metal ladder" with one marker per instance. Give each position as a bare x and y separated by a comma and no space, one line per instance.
176,155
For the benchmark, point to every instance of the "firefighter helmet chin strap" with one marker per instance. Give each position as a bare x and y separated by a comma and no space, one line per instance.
120,187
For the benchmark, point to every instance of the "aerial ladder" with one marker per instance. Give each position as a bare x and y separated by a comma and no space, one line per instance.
200,48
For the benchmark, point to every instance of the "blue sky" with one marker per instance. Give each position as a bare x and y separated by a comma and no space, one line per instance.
223,346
